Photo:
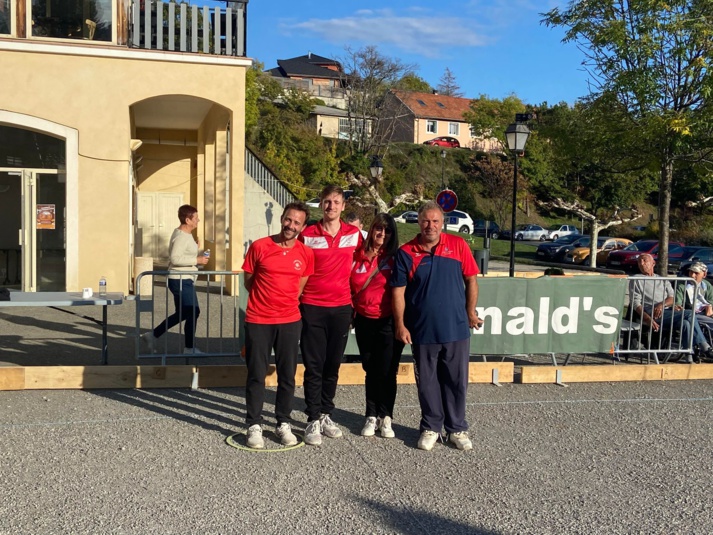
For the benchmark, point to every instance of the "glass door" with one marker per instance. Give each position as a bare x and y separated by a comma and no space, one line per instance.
32,230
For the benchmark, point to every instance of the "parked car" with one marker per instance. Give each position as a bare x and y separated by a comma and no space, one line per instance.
605,246
313,203
460,220
555,251
627,259
683,271
406,217
444,141
557,231
479,228
530,232
687,255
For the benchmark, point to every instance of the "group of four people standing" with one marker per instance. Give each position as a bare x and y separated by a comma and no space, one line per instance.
307,285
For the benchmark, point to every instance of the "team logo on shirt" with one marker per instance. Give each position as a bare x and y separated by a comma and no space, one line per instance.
297,264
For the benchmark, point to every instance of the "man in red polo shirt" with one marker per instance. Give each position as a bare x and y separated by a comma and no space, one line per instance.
326,312
276,270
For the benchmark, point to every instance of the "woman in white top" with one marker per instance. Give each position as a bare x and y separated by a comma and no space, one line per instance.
183,256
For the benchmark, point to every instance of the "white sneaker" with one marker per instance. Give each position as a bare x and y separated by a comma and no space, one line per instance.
192,351
313,433
329,428
384,426
427,440
369,428
255,440
285,434
148,339
461,440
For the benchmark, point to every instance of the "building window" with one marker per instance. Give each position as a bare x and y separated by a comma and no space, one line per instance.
356,130
432,126
5,16
421,102
88,19
453,129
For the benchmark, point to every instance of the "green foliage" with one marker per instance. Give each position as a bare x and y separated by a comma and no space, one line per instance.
489,117
413,82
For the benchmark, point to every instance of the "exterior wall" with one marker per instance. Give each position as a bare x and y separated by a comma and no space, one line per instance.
329,126
92,92
262,214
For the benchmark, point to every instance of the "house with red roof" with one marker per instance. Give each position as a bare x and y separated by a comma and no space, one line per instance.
419,117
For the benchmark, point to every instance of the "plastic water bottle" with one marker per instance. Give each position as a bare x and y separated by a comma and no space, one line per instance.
102,286
206,253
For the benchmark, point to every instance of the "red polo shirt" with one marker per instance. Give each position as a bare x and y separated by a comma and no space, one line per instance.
329,285
374,300
274,296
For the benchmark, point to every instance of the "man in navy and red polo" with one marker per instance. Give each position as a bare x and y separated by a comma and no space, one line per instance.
326,312
434,298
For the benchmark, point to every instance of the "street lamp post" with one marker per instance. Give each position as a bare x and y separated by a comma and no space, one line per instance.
443,169
376,169
516,134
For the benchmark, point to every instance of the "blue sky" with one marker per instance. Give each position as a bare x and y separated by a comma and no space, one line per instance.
493,47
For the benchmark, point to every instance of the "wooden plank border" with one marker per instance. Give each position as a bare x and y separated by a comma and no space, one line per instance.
616,373
89,377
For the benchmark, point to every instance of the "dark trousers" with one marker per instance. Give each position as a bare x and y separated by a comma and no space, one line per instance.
380,354
186,303
260,339
442,380
324,338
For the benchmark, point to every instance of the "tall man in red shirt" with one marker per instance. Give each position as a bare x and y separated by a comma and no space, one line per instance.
326,312
276,270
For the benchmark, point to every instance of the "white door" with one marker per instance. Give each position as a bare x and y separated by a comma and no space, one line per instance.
157,215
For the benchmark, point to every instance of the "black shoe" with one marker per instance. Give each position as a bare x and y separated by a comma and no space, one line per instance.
707,354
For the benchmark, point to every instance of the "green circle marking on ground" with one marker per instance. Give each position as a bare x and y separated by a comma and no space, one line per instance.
232,442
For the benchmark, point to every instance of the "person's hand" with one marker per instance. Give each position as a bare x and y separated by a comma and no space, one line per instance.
658,310
201,260
474,321
654,326
403,335
709,310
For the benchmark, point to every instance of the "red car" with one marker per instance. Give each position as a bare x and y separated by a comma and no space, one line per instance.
444,141
627,259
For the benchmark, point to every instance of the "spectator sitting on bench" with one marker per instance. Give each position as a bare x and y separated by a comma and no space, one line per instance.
653,302
704,298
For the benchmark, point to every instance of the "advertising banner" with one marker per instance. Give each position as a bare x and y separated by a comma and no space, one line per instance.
548,315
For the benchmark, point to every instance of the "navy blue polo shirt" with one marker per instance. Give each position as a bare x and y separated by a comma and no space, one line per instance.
435,291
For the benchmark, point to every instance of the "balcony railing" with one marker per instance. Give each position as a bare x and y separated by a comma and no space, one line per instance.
188,28
149,24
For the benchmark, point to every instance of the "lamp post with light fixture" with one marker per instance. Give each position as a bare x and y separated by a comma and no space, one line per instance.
516,134
376,168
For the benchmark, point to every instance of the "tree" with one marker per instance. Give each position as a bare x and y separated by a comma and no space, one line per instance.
653,58
413,82
495,178
448,85
595,171
368,75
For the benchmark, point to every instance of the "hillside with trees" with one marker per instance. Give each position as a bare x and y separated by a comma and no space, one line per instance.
602,160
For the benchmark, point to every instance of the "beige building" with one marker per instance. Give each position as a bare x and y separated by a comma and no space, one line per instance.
112,116
420,117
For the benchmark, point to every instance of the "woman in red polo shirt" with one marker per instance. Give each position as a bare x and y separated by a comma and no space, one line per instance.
373,323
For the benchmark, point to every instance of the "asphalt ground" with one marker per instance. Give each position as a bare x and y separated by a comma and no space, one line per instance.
591,458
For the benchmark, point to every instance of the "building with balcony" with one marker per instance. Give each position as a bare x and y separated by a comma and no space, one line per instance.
113,113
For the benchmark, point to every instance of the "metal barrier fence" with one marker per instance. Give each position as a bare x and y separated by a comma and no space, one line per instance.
673,329
219,324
